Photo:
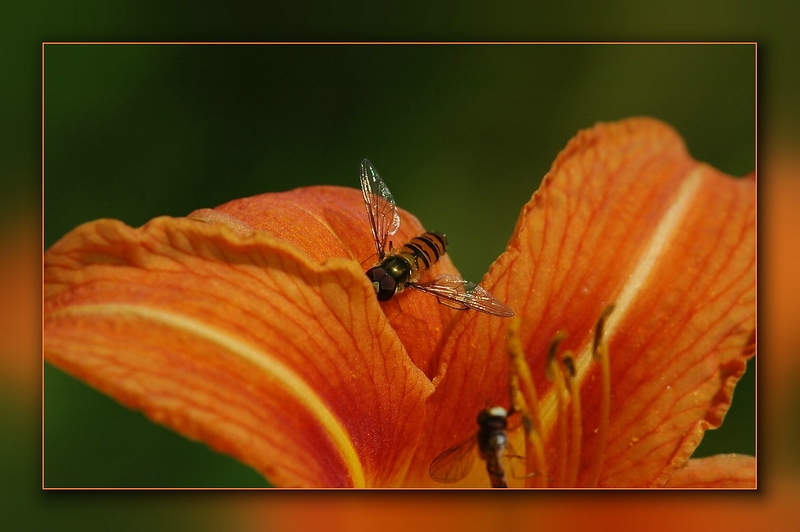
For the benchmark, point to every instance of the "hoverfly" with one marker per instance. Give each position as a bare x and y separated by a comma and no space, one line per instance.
493,446
396,270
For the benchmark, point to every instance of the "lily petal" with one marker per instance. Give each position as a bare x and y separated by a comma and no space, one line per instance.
241,342
718,471
624,216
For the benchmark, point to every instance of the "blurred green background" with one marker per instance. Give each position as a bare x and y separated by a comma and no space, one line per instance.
461,133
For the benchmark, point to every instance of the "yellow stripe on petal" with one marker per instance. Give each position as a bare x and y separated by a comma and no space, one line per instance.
267,364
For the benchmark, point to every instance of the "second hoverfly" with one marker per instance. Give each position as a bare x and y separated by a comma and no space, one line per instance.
398,269
493,446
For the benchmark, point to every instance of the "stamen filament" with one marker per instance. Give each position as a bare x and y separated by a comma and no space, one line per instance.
576,436
521,386
535,464
556,374
600,352
520,367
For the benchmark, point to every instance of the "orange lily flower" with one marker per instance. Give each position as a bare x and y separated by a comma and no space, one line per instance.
252,326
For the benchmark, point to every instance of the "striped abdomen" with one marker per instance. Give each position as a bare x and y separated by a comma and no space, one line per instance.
423,251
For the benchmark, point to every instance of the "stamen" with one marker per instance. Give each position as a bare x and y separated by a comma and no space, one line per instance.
521,386
600,352
535,464
569,427
555,373
576,436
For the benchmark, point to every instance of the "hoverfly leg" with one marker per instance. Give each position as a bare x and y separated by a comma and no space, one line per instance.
391,309
516,466
369,261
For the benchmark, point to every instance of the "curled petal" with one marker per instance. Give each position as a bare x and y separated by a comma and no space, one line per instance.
241,342
718,471
328,222
321,221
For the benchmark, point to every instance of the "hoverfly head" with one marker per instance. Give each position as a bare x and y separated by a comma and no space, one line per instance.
384,284
494,418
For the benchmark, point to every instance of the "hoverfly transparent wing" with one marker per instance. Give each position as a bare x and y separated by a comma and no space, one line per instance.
454,463
461,294
381,209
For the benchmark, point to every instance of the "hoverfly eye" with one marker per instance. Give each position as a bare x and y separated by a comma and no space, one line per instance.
384,284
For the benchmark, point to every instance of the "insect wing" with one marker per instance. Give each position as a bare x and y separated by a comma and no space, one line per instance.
454,463
381,209
461,294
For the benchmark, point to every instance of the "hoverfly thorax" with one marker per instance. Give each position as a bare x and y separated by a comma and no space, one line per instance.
492,419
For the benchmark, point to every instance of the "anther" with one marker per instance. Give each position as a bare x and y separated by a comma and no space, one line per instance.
569,364
559,337
600,329
576,436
